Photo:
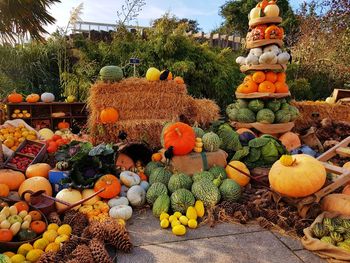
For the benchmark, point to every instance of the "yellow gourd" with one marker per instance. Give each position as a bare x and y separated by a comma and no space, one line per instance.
179,230
191,213
192,223
199,206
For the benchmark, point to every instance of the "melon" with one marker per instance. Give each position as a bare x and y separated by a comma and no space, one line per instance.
230,190
161,205
178,181
35,184
111,73
161,175
181,199
265,116
70,196
201,175
151,166
245,116
154,191
211,142
206,191
256,105
273,105
282,116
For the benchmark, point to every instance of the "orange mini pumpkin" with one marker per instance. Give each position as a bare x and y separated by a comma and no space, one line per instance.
267,86
271,76
6,235
259,77
38,226
63,125
4,190
109,115
157,157
110,183
179,80
21,206
282,77
281,87
15,97
248,87
32,98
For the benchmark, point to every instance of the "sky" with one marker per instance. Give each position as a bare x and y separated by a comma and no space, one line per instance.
206,12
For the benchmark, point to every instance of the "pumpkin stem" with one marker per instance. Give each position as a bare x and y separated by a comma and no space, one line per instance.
287,160
178,132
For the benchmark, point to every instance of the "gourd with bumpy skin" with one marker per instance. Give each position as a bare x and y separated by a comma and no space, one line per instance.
211,142
136,196
181,199
178,181
230,190
200,175
282,116
151,166
161,175
218,171
206,191
245,116
198,131
161,205
111,73
62,166
273,105
256,105
154,191
294,113
265,116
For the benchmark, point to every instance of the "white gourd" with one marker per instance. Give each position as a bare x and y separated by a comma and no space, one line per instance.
129,178
118,201
256,51
283,58
144,185
272,48
121,212
47,97
252,60
136,196
268,58
241,60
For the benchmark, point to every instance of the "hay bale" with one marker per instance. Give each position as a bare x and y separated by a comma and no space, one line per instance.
312,113
143,108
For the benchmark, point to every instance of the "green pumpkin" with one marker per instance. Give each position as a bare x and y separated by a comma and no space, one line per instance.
211,142
111,73
230,190
319,230
26,234
181,199
161,175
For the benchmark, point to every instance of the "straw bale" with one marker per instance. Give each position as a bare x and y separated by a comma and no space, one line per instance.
312,112
204,111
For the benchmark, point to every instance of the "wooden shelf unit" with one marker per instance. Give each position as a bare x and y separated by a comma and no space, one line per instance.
42,111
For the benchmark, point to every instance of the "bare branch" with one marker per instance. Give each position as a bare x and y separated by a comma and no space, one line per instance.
130,11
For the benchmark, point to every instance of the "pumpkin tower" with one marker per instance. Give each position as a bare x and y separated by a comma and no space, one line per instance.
263,97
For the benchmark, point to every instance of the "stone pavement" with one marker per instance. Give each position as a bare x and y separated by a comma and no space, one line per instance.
222,243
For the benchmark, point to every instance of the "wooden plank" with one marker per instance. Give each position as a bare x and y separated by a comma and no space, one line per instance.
277,67
265,20
264,42
259,95
341,94
343,151
334,169
332,152
265,128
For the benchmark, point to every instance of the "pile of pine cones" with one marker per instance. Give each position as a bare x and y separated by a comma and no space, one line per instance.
88,240
260,204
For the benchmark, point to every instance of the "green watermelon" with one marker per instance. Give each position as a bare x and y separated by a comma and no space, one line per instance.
178,181
273,105
245,116
181,199
160,174
162,204
265,116
282,116
154,191
206,191
111,73
151,166
218,171
211,142
198,131
200,175
256,105
294,113
230,190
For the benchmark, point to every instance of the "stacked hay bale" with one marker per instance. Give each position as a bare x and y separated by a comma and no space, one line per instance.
312,112
144,107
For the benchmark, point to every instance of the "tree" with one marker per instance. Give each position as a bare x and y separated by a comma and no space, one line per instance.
236,13
191,25
18,18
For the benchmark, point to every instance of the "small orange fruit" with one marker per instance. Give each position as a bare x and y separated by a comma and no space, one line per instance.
271,76
38,226
35,215
281,77
248,87
21,206
248,77
281,87
6,235
267,86
259,77
179,80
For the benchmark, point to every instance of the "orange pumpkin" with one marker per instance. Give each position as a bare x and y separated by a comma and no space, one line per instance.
271,76
110,183
32,98
248,77
267,86
290,140
6,235
63,125
38,169
179,80
109,115
12,179
22,206
14,97
282,77
181,136
35,184
4,190
35,215
248,87
281,87
259,77
157,157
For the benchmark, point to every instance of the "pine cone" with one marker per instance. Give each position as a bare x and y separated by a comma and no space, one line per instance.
272,216
48,257
97,230
86,234
117,236
69,217
83,254
79,223
99,251
264,223
73,260
67,248
54,218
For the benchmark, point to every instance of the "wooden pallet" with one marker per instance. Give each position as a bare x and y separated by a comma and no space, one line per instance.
262,95
264,20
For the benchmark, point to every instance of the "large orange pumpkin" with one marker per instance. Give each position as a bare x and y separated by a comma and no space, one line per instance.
4,190
32,98
290,140
38,169
181,136
14,97
297,176
109,115
35,184
11,178
110,183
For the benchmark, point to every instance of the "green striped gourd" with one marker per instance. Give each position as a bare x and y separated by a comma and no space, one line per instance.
336,237
161,175
230,190
181,199
319,230
211,142
154,191
151,166
111,73
205,191
162,204
178,181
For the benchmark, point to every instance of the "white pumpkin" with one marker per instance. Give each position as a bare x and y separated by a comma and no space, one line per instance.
283,58
129,178
252,60
118,201
123,190
144,185
272,48
136,196
272,10
70,196
255,13
47,97
45,133
241,60
89,192
268,58
256,51
121,212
